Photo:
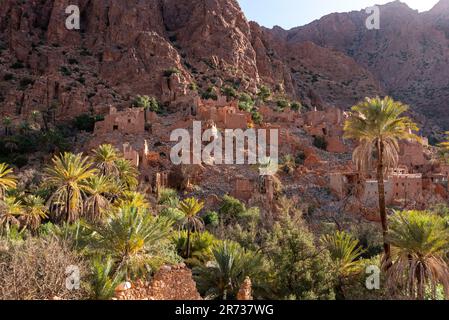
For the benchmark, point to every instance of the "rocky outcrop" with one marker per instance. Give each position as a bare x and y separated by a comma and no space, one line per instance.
169,283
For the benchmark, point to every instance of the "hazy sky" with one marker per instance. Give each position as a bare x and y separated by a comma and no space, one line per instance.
293,13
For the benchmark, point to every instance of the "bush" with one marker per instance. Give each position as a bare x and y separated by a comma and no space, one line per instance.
257,117
320,142
36,270
264,93
65,71
211,218
85,122
171,71
210,93
282,104
300,158
25,82
296,106
229,92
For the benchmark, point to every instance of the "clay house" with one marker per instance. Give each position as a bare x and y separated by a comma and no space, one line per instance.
370,194
407,187
411,155
128,121
228,116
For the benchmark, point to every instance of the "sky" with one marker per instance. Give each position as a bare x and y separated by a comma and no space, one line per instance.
294,13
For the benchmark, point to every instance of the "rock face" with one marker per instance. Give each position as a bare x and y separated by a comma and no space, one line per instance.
409,54
161,47
169,283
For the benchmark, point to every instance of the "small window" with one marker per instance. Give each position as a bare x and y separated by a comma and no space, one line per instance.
115,127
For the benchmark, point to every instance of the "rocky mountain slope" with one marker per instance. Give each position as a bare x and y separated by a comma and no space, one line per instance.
409,54
173,48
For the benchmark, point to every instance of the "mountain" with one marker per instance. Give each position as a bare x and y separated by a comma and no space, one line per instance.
162,47
409,54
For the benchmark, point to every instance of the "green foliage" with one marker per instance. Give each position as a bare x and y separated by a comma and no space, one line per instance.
246,103
320,142
282,104
148,103
301,271
300,158
86,122
233,210
222,277
264,93
137,241
211,218
296,106
229,92
103,281
171,71
210,93
257,117
201,246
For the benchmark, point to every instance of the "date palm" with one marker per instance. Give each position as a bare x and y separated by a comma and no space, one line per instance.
345,253
127,173
420,242
69,174
131,238
191,207
35,211
11,210
132,199
7,122
378,125
105,157
97,201
7,179
231,264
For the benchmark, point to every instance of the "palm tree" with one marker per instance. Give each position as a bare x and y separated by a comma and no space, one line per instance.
132,199
105,158
131,239
288,164
345,252
420,242
69,174
127,173
231,264
35,115
98,188
7,122
7,179
35,211
378,124
11,210
190,208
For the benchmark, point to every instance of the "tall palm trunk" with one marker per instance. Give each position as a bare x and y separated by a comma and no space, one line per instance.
382,206
67,203
188,243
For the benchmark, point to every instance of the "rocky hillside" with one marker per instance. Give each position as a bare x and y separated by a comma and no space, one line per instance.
174,48
409,54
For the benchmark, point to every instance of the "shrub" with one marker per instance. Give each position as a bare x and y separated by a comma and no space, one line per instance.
85,122
296,106
36,270
320,142
264,93
171,71
257,117
210,93
282,104
65,71
229,92
211,218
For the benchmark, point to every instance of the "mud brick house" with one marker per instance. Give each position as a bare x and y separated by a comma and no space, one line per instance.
344,184
411,154
128,121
